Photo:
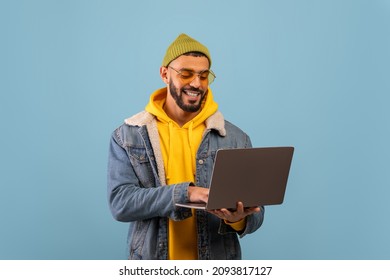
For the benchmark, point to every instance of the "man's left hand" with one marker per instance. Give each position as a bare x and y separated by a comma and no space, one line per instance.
237,215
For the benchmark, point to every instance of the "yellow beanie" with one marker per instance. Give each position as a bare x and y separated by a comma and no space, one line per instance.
184,44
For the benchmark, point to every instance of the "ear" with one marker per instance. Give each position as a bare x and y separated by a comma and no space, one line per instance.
164,74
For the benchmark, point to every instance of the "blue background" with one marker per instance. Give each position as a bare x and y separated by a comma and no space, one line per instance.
308,73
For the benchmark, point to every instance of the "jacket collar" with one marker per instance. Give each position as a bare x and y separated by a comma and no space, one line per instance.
215,121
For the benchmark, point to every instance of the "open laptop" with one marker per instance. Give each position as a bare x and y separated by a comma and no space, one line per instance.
254,176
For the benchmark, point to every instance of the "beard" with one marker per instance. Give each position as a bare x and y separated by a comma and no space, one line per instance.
177,94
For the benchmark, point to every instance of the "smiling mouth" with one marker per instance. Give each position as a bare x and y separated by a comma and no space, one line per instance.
191,93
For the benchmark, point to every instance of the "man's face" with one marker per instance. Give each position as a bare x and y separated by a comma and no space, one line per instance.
188,94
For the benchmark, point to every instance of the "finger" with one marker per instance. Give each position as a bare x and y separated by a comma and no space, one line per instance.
240,207
225,211
218,213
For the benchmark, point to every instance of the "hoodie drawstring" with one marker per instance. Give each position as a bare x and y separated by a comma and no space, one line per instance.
191,144
170,168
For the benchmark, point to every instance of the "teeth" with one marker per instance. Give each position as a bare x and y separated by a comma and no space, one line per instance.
192,94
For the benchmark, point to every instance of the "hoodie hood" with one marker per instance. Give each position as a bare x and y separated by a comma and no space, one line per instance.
157,101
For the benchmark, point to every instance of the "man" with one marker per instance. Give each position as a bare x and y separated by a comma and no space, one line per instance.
164,155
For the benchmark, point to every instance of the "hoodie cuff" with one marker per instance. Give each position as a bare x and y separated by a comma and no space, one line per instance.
237,226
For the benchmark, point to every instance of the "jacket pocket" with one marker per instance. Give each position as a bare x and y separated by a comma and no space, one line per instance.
142,166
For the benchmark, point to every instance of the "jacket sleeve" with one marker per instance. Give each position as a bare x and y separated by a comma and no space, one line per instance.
129,201
253,222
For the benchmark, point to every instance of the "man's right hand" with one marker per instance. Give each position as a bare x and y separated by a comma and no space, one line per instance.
198,194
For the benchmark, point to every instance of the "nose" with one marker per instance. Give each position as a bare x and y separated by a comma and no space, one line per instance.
196,82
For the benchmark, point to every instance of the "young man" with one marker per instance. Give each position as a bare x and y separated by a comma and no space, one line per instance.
164,155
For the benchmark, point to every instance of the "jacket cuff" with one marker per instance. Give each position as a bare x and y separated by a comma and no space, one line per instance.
180,192
180,195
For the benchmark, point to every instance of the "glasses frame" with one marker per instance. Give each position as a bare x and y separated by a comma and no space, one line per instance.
211,77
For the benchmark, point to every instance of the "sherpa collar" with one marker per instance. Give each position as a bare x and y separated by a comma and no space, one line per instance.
215,121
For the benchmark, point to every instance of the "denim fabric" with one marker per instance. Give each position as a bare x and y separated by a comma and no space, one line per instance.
137,195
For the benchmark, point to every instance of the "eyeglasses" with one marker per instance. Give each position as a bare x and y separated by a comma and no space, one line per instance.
188,75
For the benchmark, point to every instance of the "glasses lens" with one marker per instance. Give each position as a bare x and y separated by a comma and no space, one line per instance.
211,76
204,75
186,74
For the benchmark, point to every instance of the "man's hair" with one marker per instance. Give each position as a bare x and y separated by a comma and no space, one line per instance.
195,54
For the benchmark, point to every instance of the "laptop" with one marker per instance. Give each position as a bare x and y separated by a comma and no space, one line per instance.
254,176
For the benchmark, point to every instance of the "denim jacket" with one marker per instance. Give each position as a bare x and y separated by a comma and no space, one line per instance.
138,194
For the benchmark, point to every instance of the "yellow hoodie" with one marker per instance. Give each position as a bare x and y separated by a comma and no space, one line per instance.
179,146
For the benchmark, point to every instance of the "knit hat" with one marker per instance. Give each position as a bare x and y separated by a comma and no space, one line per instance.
184,44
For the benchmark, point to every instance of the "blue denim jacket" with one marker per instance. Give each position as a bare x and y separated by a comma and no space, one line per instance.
138,194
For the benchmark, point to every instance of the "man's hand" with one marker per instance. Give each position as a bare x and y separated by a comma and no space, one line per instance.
237,215
198,194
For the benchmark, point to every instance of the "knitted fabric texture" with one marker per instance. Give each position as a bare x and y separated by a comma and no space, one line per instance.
184,44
